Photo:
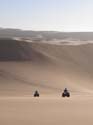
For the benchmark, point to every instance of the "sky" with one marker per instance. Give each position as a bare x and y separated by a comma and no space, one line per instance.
50,15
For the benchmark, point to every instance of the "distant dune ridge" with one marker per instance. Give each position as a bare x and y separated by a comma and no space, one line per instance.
45,35
13,50
32,60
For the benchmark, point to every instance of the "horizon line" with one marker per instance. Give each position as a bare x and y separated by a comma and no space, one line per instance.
23,29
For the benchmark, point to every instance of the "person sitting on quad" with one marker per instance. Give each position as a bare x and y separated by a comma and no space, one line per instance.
65,90
65,93
36,94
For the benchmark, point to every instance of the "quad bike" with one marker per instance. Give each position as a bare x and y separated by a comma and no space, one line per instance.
66,93
36,94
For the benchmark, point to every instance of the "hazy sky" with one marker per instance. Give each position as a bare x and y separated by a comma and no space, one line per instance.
60,15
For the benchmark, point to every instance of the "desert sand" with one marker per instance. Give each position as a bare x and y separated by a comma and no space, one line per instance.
46,110
50,69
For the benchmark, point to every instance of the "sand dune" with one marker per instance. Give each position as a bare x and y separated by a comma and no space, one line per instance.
26,66
49,68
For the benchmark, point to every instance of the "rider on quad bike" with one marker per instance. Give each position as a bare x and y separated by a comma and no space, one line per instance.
65,93
36,94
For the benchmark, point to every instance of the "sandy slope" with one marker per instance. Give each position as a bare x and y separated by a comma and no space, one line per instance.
76,110
49,69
